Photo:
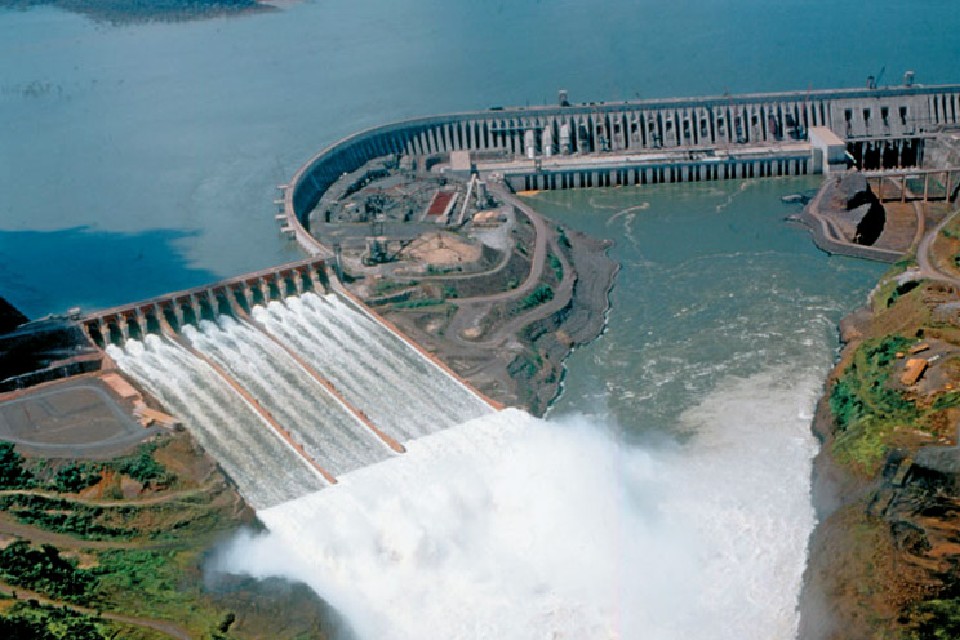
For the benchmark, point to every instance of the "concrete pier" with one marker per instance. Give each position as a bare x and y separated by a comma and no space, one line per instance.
938,184
119,324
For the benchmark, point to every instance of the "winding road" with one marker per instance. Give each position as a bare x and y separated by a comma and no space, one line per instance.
928,268
469,308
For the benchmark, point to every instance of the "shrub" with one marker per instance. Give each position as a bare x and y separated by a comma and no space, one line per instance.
75,477
45,571
143,468
542,294
12,473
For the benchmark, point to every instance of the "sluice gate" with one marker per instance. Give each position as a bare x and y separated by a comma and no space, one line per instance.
287,381
233,296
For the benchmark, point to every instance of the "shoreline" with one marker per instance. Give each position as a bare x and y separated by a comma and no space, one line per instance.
127,12
603,329
525,363
882,560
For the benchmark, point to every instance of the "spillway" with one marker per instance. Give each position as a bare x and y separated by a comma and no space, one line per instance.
324,368
404,393
329,433
266,470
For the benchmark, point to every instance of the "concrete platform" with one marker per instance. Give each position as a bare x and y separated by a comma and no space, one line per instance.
75,418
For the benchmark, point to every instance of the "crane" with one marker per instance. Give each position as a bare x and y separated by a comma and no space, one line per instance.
873,81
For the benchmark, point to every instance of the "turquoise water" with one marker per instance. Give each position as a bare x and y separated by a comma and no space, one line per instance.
714,284
184,129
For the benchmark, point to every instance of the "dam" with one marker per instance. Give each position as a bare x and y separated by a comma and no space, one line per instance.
600,144
314,385
287,382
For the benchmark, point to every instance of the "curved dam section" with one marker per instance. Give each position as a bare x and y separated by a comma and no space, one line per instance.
645,141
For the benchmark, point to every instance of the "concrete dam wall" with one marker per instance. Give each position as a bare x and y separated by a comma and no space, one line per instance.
287,382
234,296
646,141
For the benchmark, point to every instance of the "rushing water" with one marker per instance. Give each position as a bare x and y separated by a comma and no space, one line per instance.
406,395
669,494
265,469
401,391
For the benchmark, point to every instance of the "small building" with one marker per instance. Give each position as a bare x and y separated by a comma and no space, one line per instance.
912,371
120,386
460,161
149,417
829,151
491,218
918,348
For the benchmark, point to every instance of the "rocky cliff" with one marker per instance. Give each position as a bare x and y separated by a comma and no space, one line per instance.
884,557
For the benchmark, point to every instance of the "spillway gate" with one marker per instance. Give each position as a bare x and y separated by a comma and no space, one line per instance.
233,296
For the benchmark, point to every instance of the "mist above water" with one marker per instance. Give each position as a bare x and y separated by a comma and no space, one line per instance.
512,527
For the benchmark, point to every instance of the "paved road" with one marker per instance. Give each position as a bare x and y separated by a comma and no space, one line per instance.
468,308
928,269
73,418
539,250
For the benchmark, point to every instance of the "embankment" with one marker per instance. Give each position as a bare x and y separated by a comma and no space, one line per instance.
883,560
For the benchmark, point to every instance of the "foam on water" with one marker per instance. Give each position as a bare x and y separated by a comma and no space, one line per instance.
512,527
405,394
266,469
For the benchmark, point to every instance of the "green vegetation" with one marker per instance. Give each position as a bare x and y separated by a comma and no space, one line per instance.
542,294
44,571
143,468
417,304
937,620
525,365
900,290
562,237
65,516
148,561
433,270
76,476
556,265
865,409
386,287
146,583
12,473
888,283
33,621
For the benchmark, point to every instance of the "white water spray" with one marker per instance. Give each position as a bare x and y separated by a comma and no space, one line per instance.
405,394
266,470
512,527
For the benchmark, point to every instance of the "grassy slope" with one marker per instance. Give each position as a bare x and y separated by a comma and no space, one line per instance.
129,538
900,567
